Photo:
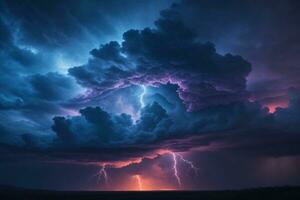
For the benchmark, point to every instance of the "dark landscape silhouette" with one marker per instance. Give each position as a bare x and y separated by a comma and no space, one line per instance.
273,193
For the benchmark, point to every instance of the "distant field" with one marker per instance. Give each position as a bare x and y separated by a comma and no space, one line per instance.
280,193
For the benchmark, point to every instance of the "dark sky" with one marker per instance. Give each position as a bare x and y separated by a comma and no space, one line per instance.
104,95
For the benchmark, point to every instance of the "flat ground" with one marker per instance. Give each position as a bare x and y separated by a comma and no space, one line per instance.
280,193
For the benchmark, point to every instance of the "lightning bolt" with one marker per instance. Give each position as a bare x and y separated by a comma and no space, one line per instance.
175,168
139,182
192,166
142,96
177,156
102,174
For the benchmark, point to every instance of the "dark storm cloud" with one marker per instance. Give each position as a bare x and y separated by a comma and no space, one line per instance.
109,52
73,21
169,53
98,136
66,22
52,86
264,32
29,97
34,41
242,127
31,90
24,85
20,85
97,128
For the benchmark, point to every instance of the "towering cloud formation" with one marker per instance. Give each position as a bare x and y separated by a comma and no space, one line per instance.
169,53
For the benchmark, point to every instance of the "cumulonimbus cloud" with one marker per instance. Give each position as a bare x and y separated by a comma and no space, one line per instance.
169,53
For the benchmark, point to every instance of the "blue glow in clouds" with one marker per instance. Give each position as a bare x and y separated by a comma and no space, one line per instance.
142,96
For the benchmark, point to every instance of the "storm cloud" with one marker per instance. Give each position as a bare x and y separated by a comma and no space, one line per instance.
170,53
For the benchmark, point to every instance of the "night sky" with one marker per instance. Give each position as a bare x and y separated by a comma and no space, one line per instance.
149,95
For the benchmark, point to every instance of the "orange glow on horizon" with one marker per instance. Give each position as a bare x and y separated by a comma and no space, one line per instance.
139,182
